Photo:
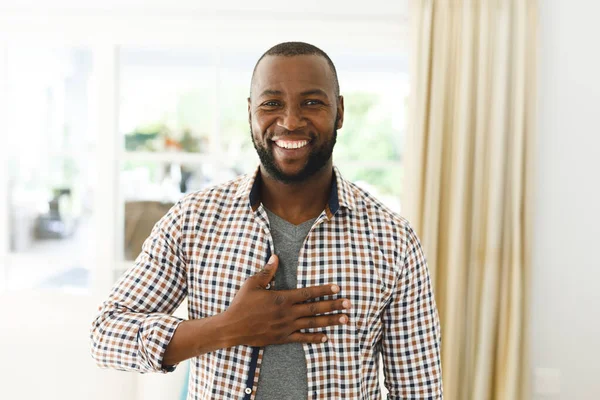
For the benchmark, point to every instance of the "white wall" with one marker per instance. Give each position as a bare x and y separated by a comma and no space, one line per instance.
566,280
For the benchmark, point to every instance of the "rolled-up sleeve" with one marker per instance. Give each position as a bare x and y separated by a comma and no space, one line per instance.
134,325
411,342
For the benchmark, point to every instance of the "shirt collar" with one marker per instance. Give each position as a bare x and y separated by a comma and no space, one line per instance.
341,192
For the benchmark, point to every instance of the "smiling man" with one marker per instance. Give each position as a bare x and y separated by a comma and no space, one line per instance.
295,110
345,279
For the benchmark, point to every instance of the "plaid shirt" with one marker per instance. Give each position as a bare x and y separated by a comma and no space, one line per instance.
211,241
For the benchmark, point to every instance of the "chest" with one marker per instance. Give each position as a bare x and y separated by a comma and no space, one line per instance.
339,251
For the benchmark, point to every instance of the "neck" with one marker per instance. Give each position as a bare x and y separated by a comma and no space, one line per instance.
297,202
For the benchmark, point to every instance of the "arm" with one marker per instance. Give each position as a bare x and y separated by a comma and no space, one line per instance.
134,330
134,325
411,332
186,344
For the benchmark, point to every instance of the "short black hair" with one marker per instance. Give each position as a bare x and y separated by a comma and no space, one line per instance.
290,49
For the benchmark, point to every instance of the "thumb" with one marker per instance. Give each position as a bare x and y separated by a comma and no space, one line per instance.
268,272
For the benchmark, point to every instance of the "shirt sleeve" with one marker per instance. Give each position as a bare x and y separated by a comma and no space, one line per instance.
411,340
134,325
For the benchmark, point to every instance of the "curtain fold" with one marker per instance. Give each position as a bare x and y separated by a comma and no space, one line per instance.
468,184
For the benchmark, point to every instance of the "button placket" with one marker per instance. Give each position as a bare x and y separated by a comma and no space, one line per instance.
264,221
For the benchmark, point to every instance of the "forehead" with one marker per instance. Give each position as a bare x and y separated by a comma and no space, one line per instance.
294,73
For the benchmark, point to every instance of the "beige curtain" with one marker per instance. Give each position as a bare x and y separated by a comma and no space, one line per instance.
468,184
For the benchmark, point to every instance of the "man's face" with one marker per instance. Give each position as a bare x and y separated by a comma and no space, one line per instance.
294,115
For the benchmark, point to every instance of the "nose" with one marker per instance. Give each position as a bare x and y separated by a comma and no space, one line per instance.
291,119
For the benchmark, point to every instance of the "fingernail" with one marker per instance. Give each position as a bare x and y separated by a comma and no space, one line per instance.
324,339
346,304
335,288
343,319
271,259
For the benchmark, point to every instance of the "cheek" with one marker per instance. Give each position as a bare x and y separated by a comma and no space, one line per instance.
263,126
322,120
259,123
324,126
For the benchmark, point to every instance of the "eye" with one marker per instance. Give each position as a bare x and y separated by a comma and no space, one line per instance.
313,102
270,103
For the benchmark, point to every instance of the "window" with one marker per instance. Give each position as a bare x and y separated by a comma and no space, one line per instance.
174,120
49,168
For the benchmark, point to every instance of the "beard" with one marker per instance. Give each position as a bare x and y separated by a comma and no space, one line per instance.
317,159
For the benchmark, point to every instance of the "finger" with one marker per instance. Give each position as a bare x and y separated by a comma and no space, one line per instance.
265,275
311,292
321,322
321,307
298,337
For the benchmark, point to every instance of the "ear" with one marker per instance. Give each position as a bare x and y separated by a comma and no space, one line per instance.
249,114
340,113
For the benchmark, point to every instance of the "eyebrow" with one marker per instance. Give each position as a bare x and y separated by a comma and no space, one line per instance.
318,92
270,92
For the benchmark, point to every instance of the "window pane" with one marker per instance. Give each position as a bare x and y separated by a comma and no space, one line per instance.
234,133
375,90
50,168
166,100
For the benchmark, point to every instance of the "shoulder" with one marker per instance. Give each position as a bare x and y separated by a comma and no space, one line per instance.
213,198
377,212
390,228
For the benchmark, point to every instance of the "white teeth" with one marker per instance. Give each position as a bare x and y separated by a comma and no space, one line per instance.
291,144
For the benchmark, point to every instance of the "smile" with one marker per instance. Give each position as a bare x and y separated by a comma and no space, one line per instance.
291,144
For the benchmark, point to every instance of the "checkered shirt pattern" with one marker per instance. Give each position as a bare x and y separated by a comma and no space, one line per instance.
211,241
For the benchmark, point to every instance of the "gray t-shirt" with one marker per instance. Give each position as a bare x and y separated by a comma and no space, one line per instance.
283,368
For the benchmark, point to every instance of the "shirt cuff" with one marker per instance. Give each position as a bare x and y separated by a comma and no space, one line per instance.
154,337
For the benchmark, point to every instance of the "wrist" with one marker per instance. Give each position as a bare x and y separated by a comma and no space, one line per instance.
225,330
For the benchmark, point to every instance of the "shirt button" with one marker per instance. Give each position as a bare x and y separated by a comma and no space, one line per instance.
248,390
268,286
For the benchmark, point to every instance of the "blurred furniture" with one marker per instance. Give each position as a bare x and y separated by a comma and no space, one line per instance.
140,218
61,219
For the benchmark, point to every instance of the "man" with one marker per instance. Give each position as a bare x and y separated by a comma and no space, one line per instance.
345,280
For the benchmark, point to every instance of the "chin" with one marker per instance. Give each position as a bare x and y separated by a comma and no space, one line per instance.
290,176
290,171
